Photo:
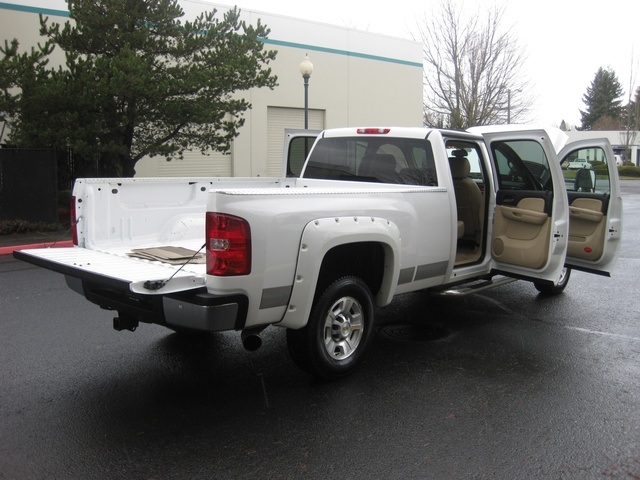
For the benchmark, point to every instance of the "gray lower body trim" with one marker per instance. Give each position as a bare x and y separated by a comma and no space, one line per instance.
275,297
406,275
422,272
211,318
431,270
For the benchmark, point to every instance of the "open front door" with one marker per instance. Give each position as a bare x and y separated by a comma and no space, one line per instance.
529,234
595,205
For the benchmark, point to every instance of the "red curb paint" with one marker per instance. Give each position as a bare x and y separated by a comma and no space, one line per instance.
10,250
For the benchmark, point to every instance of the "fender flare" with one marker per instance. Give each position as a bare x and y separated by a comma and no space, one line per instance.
318,238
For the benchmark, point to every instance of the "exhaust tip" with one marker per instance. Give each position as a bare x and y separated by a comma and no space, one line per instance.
251,341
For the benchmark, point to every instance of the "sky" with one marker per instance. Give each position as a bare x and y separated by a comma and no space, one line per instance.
565,41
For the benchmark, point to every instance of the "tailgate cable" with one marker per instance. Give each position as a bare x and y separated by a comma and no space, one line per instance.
158,284
64,235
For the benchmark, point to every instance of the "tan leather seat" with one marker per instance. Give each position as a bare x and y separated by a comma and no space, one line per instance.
583,181
468,198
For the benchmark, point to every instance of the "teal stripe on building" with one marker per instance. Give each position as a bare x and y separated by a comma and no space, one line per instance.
340,52
37,10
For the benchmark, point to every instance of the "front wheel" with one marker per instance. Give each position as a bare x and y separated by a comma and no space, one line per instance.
558,287
338,332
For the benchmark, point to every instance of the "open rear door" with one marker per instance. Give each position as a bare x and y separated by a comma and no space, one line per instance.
529,233
297,144
595,205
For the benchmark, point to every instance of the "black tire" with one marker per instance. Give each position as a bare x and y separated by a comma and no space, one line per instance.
558,287
338,332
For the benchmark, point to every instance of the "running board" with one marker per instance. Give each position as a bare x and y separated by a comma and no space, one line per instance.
466,289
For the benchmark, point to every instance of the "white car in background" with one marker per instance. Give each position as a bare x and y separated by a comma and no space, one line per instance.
578,163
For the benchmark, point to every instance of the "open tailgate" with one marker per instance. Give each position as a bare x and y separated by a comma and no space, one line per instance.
116,271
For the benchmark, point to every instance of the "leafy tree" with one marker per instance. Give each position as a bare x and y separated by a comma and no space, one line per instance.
137,81
632,112
603,100
471,69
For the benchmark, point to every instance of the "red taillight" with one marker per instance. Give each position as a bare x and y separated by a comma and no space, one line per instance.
73,219
228,245
373,131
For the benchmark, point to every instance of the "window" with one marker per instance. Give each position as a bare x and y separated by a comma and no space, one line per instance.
586,170
298,151
470,151
522,165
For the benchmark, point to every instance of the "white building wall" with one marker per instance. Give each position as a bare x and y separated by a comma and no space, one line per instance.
618,139
359,78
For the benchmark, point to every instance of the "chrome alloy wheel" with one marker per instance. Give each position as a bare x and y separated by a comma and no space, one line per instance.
343,328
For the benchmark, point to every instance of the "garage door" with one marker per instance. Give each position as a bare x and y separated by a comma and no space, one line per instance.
194,164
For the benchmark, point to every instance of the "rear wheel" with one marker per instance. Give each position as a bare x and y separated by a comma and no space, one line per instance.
338,332
558,287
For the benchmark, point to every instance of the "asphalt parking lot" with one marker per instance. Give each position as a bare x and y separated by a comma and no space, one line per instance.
504,384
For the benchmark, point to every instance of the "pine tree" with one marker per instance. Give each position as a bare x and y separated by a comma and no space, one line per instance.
137,81
603,100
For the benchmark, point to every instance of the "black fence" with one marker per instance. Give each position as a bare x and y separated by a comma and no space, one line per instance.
30,180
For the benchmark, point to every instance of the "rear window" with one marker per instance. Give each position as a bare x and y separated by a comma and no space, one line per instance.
373,159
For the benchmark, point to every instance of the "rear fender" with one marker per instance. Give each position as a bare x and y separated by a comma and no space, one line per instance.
321,236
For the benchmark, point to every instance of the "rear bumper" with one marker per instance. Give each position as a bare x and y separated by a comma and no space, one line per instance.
107,280
193,309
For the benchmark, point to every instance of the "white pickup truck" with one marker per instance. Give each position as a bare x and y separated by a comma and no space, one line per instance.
376,212
578,163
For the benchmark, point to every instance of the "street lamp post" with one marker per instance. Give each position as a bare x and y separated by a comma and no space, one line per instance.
518,90
4,124
306,69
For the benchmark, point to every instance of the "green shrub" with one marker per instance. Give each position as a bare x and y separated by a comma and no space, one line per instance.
629,171
22,226
601,170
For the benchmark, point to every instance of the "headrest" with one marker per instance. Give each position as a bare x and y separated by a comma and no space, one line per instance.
460,167
378,163
384,161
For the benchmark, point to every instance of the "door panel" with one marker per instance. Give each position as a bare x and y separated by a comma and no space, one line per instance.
587,224
521,237
521,232
595,211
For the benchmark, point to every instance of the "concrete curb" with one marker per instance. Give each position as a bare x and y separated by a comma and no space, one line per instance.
11,249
